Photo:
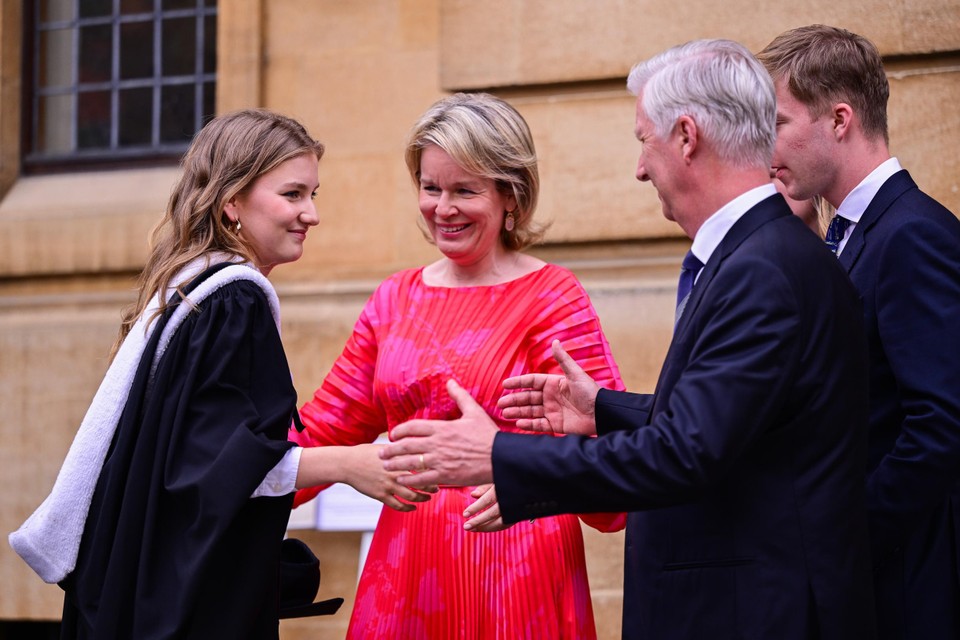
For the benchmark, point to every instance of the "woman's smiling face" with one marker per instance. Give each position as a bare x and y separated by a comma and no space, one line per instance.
276,211
463,212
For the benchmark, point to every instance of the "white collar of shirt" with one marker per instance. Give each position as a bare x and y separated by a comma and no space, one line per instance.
859,199
712,232
856,202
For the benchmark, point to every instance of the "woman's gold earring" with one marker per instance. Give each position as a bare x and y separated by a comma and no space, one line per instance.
509,222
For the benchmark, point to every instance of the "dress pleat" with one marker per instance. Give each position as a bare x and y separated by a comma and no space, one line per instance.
425,577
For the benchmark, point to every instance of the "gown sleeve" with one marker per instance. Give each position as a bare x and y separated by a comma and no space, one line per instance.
237,390
344,410
574,322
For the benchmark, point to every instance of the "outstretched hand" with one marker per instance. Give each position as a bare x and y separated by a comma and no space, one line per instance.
455,452
551,403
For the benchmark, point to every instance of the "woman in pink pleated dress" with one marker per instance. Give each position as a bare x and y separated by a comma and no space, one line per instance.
483,312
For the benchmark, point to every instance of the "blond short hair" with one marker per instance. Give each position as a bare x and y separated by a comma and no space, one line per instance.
825,65
488,138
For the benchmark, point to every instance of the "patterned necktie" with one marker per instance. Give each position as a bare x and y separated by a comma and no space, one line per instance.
838,227
688,273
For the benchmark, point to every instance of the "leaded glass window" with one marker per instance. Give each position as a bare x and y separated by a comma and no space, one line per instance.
117,80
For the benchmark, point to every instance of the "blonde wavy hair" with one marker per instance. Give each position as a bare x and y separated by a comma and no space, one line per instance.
225,158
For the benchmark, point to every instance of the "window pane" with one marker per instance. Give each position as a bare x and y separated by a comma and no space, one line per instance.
93,120
54,122
136,116
117,78
56,10
210,44
176,113
179,46
57,70
169,5
96,44
136,6
209,101
94,8
136,50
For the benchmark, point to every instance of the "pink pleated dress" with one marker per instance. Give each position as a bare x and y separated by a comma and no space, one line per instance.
425,578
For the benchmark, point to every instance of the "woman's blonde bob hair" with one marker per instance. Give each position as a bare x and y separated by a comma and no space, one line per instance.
225,158
488,138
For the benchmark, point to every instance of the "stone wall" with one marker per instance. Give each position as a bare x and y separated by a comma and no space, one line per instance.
358,74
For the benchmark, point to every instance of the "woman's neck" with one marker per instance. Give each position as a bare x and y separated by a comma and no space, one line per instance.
507,267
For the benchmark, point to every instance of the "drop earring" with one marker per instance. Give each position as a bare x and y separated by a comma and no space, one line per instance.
239,226
510,222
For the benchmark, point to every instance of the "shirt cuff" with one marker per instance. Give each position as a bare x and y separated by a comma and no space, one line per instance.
282,479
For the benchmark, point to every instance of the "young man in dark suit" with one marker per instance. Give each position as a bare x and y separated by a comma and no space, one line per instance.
902,251
743,472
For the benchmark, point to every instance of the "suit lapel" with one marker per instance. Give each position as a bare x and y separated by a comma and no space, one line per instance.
763,212
892,189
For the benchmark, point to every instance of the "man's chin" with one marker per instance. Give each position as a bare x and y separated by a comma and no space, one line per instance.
796,191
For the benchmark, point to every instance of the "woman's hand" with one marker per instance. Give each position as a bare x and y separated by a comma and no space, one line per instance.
485,511
363,470
360,467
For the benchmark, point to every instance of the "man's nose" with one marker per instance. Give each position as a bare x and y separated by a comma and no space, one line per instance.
642,175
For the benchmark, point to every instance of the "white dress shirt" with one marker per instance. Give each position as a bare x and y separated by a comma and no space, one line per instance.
712,232
859,199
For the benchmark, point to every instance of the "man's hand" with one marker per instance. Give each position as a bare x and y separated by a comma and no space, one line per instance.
455,452
551,403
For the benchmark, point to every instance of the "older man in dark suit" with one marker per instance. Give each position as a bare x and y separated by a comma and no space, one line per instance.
743,471
902,251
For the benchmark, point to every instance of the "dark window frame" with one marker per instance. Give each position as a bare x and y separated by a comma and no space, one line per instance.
157,152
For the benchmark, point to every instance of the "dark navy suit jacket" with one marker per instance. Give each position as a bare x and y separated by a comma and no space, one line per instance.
904,259
744,470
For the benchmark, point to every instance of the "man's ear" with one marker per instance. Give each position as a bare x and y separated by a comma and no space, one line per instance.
687,136
842,117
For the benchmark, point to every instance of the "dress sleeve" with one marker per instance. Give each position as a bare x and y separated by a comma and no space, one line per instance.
344,409
574,322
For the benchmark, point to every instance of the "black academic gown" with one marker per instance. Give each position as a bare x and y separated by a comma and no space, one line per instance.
174,547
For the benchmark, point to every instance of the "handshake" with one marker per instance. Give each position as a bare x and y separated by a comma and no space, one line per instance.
460,452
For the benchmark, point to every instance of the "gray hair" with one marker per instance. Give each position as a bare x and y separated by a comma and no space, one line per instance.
722,86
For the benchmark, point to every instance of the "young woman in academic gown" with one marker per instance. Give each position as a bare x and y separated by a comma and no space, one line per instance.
191,494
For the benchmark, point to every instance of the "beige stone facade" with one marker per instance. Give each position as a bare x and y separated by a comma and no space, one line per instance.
358,74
